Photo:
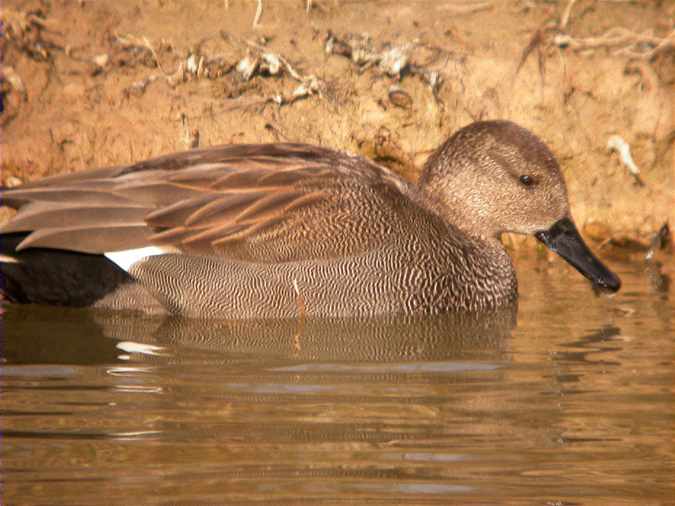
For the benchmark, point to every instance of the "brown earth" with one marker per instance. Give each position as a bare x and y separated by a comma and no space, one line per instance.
91,83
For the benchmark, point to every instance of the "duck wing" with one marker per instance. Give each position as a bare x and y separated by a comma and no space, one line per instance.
262,203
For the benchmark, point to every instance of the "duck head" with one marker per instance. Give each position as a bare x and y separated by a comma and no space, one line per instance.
493,177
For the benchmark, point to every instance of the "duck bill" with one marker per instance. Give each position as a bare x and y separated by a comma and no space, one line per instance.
563,238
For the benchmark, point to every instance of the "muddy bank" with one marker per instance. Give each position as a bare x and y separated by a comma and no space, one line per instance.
90,83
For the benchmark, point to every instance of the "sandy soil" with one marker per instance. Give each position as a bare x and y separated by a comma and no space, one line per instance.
91,83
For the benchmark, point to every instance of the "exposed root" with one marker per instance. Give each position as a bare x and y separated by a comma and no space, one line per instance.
564,19
273,60
391,60
622,42
258,14
262,61
26,30
536,42
650,79
468,8
140,45
17,24
258,61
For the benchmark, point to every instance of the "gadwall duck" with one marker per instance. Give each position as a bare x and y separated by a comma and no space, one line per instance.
278,230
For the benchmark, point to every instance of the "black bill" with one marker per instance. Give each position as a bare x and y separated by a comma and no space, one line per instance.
564,239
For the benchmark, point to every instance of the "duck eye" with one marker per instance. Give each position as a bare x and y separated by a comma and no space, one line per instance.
526,180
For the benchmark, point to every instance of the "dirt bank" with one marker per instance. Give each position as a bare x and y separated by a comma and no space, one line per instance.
88,83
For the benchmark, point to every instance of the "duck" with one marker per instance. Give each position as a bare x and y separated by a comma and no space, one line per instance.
251,231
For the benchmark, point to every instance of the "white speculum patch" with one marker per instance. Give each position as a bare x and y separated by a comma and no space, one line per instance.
126,259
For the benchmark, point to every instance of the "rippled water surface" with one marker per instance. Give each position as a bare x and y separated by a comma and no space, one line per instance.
568,402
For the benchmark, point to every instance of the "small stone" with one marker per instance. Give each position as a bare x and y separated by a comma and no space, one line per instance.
101,60
400,98
271,63
13,181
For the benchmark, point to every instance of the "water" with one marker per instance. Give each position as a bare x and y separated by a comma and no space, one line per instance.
573,404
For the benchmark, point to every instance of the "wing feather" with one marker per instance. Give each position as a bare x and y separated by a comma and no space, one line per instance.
41,215
247,231
225,208
176,214
89,239
261,203
157,193
269,205
18,197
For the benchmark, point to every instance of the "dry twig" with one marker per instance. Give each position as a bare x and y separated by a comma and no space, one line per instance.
468,8
266,61
258,14
564,19
624,42
391,60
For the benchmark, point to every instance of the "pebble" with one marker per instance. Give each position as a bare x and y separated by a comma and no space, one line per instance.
13,181
101,60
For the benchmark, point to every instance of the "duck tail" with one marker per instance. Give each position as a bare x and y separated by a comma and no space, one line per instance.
54,277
